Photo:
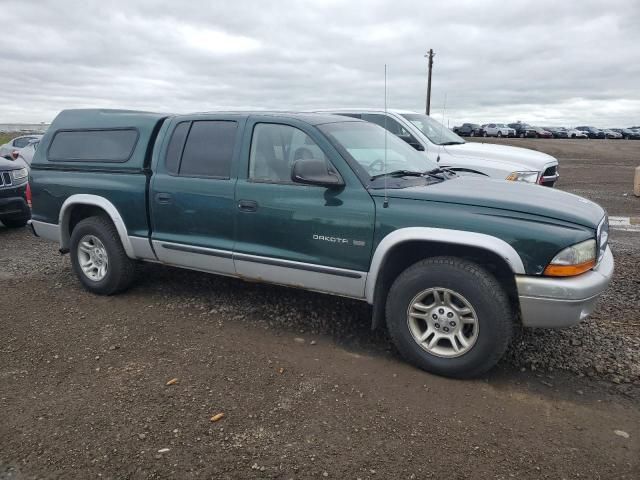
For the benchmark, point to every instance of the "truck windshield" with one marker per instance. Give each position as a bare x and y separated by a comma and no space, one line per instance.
433,130
364,144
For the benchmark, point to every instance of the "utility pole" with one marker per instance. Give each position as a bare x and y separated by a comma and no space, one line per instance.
430,56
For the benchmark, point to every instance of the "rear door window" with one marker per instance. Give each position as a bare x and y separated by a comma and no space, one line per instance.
176,144
208,151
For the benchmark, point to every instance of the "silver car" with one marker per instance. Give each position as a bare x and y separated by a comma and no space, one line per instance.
7,150
26,154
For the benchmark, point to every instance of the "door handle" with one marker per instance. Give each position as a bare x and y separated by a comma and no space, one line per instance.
163,197
247,205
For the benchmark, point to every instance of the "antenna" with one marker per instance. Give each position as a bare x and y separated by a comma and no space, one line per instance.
385,204
444,108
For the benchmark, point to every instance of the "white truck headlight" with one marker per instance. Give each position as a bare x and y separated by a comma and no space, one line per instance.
603,237
529,177
20,174
573,260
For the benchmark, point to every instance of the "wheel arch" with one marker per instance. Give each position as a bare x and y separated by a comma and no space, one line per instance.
406,246
80,206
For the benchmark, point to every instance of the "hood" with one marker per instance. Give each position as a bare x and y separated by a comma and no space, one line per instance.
531,159
506,196
9,164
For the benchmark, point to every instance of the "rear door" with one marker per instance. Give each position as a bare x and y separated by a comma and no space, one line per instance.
192,193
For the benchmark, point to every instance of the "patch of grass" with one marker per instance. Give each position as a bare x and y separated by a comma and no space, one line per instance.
5,137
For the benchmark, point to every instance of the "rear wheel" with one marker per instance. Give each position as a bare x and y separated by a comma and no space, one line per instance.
98,257
450,317
472,133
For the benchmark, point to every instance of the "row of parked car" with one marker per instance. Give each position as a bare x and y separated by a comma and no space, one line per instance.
524,130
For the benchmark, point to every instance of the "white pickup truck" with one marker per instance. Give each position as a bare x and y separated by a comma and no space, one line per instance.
440,144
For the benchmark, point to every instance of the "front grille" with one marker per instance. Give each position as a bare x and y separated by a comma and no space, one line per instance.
550,171
5,179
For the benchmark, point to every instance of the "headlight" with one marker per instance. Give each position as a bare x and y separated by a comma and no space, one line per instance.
20,174
529,177
573,260
603,237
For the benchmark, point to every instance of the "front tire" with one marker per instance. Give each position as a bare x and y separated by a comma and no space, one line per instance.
450,317
98,257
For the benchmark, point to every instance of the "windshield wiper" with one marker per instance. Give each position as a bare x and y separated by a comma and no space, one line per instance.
398,173
451,143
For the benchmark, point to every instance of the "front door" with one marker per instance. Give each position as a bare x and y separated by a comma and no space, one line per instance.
315,237
192,193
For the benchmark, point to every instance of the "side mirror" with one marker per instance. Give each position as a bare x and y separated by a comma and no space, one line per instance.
313,171
412,141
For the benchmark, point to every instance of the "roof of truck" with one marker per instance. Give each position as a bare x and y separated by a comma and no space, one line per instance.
104,117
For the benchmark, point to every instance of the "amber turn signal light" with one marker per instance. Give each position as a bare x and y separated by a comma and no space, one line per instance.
569,270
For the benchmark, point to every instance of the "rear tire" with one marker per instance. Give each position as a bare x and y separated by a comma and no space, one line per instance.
467,286
98,257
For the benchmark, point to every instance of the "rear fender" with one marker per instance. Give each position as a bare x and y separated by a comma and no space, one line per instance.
97,201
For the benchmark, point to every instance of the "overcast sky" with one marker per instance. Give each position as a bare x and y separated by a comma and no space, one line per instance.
547,62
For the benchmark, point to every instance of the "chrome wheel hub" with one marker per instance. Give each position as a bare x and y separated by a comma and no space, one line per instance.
442,322
93,258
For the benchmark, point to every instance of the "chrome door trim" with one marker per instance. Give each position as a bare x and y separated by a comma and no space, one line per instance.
310,267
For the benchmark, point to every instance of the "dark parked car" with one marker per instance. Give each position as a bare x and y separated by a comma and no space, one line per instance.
14,194
592,132
523,130
627,133
542,133
468,130
558,132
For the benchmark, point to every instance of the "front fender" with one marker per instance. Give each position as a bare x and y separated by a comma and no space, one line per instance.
455,237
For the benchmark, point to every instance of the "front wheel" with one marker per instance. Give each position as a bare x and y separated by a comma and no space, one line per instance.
98,257
450,317
499,134
484,134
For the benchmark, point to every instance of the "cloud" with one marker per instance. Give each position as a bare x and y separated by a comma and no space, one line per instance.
548,62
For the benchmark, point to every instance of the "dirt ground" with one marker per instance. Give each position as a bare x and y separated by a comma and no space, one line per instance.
307,390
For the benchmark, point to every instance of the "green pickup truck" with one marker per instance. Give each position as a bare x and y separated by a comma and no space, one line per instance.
326,203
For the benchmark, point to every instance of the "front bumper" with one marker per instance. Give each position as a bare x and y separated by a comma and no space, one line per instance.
14,206
547,302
